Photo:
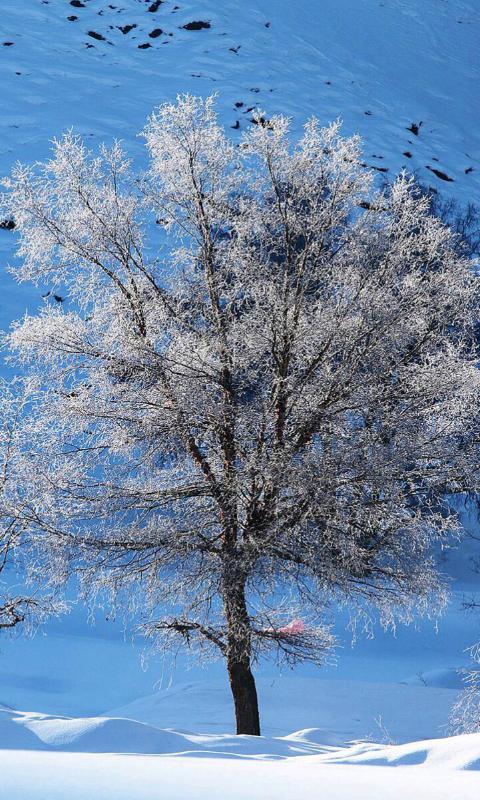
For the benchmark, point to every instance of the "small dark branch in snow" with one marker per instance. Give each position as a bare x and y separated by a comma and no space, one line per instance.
415,128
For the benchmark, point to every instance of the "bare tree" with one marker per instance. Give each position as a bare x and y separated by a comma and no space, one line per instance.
256,393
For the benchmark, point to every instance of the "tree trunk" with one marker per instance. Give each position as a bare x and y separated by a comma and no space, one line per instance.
242,684
239,655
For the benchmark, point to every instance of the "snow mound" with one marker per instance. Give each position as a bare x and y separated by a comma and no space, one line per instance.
14,736
90,735
448,678
454,752
35,731
102,735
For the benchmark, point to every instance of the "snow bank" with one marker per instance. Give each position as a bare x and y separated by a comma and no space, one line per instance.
455,752
34,731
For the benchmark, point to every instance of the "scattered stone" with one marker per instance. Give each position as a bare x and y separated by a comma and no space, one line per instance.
8,44
144,46
7,224
239,104
155,33
236,126
407,153
415,128
255,90
72,18
97,36
77,3
126,28
268,24
468,170
196,26
155,6
438,172
368,113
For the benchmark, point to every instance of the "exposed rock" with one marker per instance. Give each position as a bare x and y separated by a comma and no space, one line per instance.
438,172
196,26
126,28
97,36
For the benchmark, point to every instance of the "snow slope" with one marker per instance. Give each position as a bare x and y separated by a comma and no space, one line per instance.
340,710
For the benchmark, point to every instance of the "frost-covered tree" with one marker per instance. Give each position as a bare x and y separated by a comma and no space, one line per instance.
19,609
257,391
465,717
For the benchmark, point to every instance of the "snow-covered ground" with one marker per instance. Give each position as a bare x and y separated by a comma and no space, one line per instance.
117,757
404,74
